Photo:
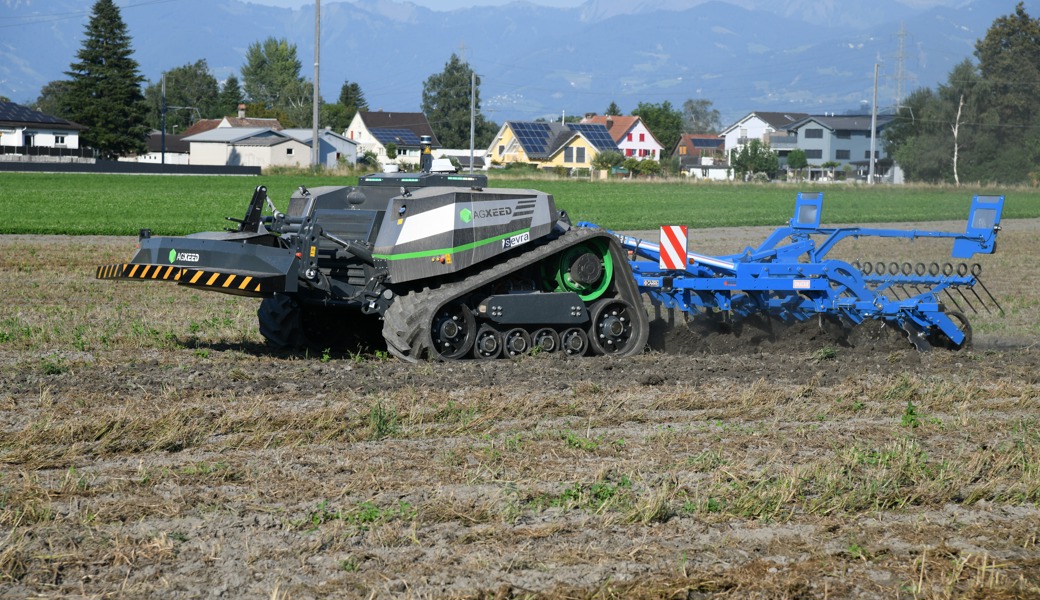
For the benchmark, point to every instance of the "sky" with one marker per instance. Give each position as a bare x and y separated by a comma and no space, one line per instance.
434,4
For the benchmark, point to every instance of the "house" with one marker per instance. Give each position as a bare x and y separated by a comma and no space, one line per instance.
333,147
373,131
247,146
26,134
693,147
550,145
632,137
843,139
770,128
240,121
462,157
176,152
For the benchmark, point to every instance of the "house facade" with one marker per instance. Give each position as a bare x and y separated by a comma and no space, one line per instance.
633,138
770,128
550,145
372,131
333,147
26,134
693,149
844,140
248,147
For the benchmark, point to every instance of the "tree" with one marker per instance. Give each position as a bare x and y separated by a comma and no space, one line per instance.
352,99
754,157
986,116
700,117
191,94
53,100
1009,58
104,88
334,116
446,103
665,122
606,160
796,161
271,77
613,110
230,97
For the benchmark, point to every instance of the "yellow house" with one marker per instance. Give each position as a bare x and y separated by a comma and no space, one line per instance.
550,145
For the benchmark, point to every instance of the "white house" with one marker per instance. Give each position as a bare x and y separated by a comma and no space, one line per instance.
333,147
373,131
28,133
248,147
631,135
770,128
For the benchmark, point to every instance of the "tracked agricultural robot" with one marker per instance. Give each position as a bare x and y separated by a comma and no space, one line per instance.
436,265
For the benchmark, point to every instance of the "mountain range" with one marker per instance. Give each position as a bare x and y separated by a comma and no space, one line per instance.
813,56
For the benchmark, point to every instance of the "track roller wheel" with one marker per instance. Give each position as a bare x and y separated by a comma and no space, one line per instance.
545,340
488,343
612,330
517,342
575,342
453,331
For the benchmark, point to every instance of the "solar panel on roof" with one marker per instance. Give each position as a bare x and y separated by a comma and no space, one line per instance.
534,137
395,135
597,135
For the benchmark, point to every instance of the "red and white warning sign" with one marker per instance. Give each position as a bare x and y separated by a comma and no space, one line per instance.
673,247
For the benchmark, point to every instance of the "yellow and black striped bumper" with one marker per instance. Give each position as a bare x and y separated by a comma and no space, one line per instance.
241,284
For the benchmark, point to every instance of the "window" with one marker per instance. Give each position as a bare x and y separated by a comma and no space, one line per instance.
866,154
580,156
568,154
682,150
642,137
816,134
817,154
630,152
843,134
842,154
501,150
59,140
630,137
289,151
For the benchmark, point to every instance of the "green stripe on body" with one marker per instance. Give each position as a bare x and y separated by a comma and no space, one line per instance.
455,250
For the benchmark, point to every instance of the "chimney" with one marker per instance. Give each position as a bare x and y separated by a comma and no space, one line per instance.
610,123
241,111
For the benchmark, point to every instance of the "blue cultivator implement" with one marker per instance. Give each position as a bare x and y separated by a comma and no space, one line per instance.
790,277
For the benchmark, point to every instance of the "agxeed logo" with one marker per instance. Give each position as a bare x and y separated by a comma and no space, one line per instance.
183,256
468,215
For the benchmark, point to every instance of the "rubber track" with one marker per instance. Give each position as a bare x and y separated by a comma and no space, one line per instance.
406,323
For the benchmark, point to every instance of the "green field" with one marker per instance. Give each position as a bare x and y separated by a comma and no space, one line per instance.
83,204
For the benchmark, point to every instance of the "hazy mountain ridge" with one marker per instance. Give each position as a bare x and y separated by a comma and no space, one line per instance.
536,61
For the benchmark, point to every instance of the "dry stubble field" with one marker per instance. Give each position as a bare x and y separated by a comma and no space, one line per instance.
150,446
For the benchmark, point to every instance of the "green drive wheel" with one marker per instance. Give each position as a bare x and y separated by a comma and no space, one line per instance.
586,269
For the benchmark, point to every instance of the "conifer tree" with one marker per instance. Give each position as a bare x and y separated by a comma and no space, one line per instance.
104,88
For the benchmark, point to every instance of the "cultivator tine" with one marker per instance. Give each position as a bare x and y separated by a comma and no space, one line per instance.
954,300
994,300
981,301
966,301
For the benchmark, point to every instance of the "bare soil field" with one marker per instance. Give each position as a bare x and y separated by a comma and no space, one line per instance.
152,447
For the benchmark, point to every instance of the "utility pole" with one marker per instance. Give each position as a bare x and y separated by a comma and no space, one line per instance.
315,142
162,141
900,64
873,131
472,116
